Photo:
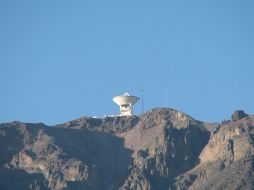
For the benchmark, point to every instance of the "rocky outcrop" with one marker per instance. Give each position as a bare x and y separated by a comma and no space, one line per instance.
226,162
239,114
161,149
166,143
66,158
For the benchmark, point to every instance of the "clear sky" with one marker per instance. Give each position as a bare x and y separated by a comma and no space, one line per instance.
60,60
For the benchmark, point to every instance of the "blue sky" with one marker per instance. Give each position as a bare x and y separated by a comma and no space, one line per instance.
60,60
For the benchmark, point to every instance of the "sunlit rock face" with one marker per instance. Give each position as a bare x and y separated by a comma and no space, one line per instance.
161,149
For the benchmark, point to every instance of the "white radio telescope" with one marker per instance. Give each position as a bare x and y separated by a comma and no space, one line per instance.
126,103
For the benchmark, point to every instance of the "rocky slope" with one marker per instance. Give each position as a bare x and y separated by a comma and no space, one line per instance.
162,149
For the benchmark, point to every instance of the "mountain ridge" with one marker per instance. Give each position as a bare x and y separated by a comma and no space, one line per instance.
161,149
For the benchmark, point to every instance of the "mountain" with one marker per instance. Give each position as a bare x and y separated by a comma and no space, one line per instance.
161,149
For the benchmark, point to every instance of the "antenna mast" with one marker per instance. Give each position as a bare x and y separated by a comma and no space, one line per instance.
142,99
166,97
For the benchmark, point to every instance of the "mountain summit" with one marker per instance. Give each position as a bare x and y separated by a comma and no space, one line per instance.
160,150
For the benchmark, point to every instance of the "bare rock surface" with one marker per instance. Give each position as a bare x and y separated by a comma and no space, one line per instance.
63,158
227,160
239,114
161,149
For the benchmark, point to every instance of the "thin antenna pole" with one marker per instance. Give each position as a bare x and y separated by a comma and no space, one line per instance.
166,97
142,99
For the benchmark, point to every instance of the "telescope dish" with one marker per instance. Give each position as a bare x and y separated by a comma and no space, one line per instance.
126,103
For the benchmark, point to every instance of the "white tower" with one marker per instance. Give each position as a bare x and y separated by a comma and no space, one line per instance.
126,103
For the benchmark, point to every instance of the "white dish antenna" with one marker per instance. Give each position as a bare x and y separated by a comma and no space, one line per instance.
126,102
